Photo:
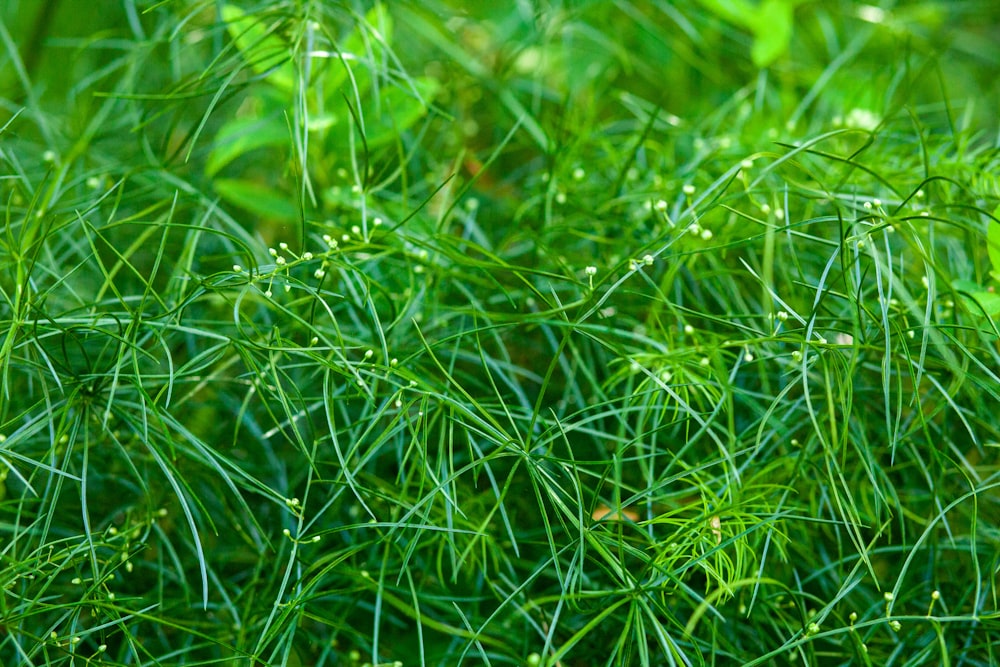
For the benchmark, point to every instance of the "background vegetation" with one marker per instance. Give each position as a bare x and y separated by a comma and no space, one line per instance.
536,333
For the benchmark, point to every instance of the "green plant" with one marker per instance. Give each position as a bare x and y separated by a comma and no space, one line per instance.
770,21
339,104
357,333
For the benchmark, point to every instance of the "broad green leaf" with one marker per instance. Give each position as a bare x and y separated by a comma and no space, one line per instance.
977,300
257,199
395,110
264,51
739,12
770,21
772,28
399,108
239,137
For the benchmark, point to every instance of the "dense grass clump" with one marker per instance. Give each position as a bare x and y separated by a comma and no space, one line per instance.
341,333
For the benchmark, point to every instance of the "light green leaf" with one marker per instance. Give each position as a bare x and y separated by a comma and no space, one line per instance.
772,27
770,21
239,137
256,199
400,109
396,110
263,50
739,12
977,300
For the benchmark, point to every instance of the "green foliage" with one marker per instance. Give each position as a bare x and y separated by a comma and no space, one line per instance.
451,333
770,21
341,95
